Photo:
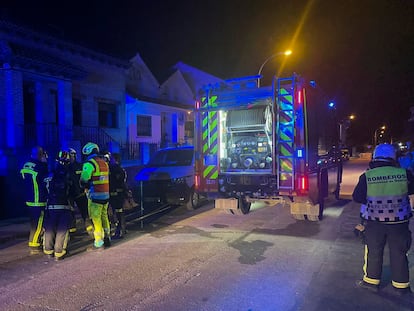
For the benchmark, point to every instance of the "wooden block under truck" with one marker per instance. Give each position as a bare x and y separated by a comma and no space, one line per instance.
274,144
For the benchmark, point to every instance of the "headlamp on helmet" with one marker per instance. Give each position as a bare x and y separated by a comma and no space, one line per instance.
63,157
107,156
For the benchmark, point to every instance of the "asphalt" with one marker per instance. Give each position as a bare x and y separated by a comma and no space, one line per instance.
18,228
345,254
13,229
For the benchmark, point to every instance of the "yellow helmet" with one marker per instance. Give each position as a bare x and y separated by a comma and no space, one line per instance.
90,148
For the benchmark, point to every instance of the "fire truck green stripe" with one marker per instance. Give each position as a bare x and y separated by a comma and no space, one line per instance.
286,165
210,172
209,125
207,170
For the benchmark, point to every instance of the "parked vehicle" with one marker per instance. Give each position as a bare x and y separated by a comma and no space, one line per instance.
168,178
274,143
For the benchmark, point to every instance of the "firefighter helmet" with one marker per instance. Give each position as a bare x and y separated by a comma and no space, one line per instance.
63,157
107,156
72,151
90,148
384,152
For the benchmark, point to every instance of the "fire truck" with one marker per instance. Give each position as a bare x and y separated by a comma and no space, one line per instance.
276,144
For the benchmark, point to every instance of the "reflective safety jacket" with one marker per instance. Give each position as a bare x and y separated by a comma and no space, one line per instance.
34,173
95,177
387,195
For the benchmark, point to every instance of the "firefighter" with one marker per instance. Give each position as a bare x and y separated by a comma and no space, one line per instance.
384,189
95,180
34,173
58,213
118,191
80,198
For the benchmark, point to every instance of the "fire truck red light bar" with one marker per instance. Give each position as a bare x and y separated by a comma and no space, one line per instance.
303,183
299,97
197,181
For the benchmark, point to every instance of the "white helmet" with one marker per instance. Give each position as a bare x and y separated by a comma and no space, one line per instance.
90,148
107,156
384,152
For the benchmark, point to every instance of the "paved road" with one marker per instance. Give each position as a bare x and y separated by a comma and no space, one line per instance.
209,260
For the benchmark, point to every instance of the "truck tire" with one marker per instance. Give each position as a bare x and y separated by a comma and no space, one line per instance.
193,200
323,189
321,207
243,206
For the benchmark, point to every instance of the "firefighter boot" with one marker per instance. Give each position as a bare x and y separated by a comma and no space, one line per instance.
72,228
120,226
107,242
89,227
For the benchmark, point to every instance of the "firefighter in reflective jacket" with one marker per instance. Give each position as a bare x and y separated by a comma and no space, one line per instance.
95,180
384,189
34,173
58,214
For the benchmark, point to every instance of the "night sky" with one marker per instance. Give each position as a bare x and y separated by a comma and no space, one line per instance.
360,52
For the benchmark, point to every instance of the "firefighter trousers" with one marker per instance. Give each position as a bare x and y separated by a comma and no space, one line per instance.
99,215
117,202
57,223
36,226
398,238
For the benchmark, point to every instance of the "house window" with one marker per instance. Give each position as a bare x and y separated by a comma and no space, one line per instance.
144,126
77,112
107,114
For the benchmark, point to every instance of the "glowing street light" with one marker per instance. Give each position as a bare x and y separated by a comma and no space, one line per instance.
286,53
381,130
344,125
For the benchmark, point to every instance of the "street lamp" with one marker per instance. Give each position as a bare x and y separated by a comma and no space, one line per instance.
344,125
286,53
382,129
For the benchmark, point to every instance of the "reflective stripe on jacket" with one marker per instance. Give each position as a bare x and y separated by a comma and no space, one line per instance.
33,173
387,195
